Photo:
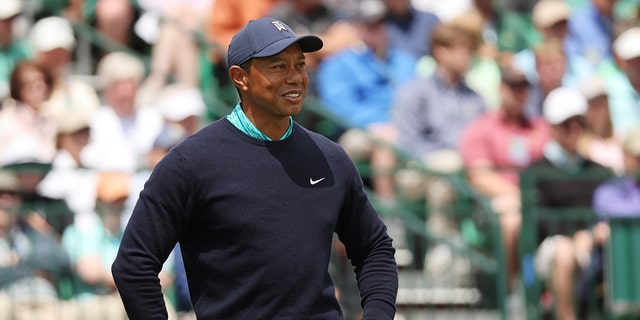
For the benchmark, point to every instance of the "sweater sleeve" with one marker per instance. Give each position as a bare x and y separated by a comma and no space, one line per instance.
371,253
151,233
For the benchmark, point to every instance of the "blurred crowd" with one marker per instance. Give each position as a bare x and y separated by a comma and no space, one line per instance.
489,88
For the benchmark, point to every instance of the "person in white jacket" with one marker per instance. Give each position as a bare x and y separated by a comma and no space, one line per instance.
122,131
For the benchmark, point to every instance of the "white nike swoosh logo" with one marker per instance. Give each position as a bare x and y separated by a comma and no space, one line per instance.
315,181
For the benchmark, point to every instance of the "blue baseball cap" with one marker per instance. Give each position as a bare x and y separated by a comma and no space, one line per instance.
265,37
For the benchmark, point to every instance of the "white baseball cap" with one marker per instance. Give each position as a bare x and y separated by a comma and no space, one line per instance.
10,8
627,44
180,101
52,33
563,103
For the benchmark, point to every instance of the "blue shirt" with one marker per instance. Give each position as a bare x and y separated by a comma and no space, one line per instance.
413,33
431,115
618,197
590,35
358,86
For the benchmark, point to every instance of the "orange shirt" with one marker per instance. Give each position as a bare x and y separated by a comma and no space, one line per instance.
229,16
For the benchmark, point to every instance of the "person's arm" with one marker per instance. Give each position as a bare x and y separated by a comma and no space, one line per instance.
158,219
480,169
488,182
371,253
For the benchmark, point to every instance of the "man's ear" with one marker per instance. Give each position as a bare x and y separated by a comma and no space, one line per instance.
239,77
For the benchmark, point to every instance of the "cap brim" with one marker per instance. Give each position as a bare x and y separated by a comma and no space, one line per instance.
30,167
307,43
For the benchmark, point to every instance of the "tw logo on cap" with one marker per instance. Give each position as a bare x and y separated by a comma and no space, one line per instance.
279,25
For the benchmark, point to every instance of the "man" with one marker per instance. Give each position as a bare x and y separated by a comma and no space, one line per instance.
495,147
550,18
358,84
431,113
622,77
620,196
559,254
123,130
53,41
599,142
550,69
254,200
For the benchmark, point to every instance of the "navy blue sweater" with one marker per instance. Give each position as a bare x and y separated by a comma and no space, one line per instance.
255,220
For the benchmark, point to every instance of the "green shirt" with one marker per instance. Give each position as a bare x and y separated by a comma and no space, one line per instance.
9,58
240,120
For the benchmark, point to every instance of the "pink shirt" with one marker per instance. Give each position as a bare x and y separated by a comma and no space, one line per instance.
491,142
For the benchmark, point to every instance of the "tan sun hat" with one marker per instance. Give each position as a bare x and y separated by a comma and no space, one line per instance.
549,12
118,66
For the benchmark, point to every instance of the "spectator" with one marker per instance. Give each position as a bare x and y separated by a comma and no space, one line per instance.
617,197
483,75
177,24
444,10
92,248
599,143
24,119
13,49
550,67
112,18
550,17
495,148
430,114
559,255
182,108
409,29
591,31
122,131
34,267
54,41
623,81
620,196
365,99
358,85
69,179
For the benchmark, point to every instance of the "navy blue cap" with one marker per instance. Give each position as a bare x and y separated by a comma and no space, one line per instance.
265,37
